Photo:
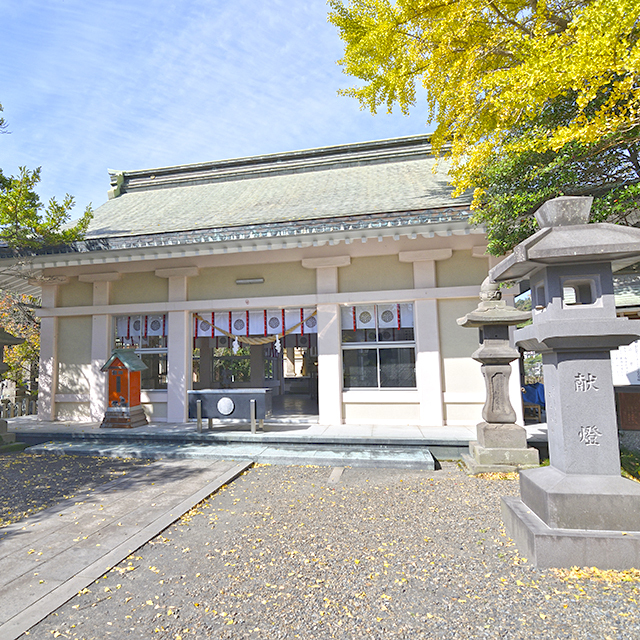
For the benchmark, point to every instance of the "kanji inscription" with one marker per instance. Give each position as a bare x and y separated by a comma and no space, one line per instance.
589,435
585,382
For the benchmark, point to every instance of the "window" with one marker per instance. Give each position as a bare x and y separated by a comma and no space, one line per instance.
148,336
378,346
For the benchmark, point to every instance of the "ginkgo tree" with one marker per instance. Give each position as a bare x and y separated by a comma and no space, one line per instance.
509,84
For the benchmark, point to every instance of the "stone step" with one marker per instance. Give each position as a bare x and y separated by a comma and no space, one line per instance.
355,456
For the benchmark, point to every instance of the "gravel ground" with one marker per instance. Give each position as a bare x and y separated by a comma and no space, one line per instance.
284,552
32,482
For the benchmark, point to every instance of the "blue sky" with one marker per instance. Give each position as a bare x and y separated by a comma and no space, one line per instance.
93,85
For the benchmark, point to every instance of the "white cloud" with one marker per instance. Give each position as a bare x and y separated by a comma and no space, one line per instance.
129,85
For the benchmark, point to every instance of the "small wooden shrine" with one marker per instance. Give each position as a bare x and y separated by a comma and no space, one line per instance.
124,410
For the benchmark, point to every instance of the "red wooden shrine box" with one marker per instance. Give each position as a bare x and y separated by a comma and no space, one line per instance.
123,399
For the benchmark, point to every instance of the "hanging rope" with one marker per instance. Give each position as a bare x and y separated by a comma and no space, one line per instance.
257,339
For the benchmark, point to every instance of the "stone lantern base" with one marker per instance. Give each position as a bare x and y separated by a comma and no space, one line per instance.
124,418
598,520
500,448
5,436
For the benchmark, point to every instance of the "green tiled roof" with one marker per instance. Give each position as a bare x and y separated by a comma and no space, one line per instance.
129,358
379,177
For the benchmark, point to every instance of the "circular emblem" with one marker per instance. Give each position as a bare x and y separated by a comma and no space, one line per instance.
238,325
304,341
386,335
311,322
223,340
205,326
274,322
155,325
136,325
226,406
387,316
365,317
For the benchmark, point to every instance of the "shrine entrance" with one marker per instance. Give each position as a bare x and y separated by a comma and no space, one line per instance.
256,349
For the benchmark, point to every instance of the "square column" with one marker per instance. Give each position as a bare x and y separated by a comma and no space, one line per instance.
179,343
329,364
428,363
101,342
427,334
178,365
100,352
48,368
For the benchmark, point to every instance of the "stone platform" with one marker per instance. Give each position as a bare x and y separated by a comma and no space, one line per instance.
548,547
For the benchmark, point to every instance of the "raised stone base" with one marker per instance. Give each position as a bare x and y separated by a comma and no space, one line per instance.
564,501
565,548
490,460
124,418
501,436
5,436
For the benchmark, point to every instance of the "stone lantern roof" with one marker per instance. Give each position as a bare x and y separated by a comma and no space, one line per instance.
565,237
492,309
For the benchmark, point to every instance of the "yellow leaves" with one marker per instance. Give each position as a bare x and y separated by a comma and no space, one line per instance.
599,575
487,67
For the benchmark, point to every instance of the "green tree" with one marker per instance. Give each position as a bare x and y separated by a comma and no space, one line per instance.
510,188
18,318
25,222
510,84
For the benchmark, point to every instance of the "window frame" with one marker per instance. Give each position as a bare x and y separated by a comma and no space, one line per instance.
378,345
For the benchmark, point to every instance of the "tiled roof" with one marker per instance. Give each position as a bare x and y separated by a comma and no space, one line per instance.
387,176
626,289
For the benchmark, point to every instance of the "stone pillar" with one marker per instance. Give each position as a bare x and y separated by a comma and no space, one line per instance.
48,368
101,341
179,344
329,339
427,334
501,444
329,364
178,365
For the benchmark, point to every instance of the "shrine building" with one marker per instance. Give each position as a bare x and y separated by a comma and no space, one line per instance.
332,276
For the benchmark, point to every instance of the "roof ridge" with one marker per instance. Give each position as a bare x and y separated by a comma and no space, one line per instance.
315,159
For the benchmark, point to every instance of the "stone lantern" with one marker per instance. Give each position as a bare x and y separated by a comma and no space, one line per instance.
578,511
501,444
6,340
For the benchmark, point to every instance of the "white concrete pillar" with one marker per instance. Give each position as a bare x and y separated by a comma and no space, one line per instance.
178,365
329,339
48,374
179,342
329,364
100,351
101,342
427,335
428,363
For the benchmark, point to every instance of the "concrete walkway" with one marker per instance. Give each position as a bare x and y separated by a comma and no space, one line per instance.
290,442
48,558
